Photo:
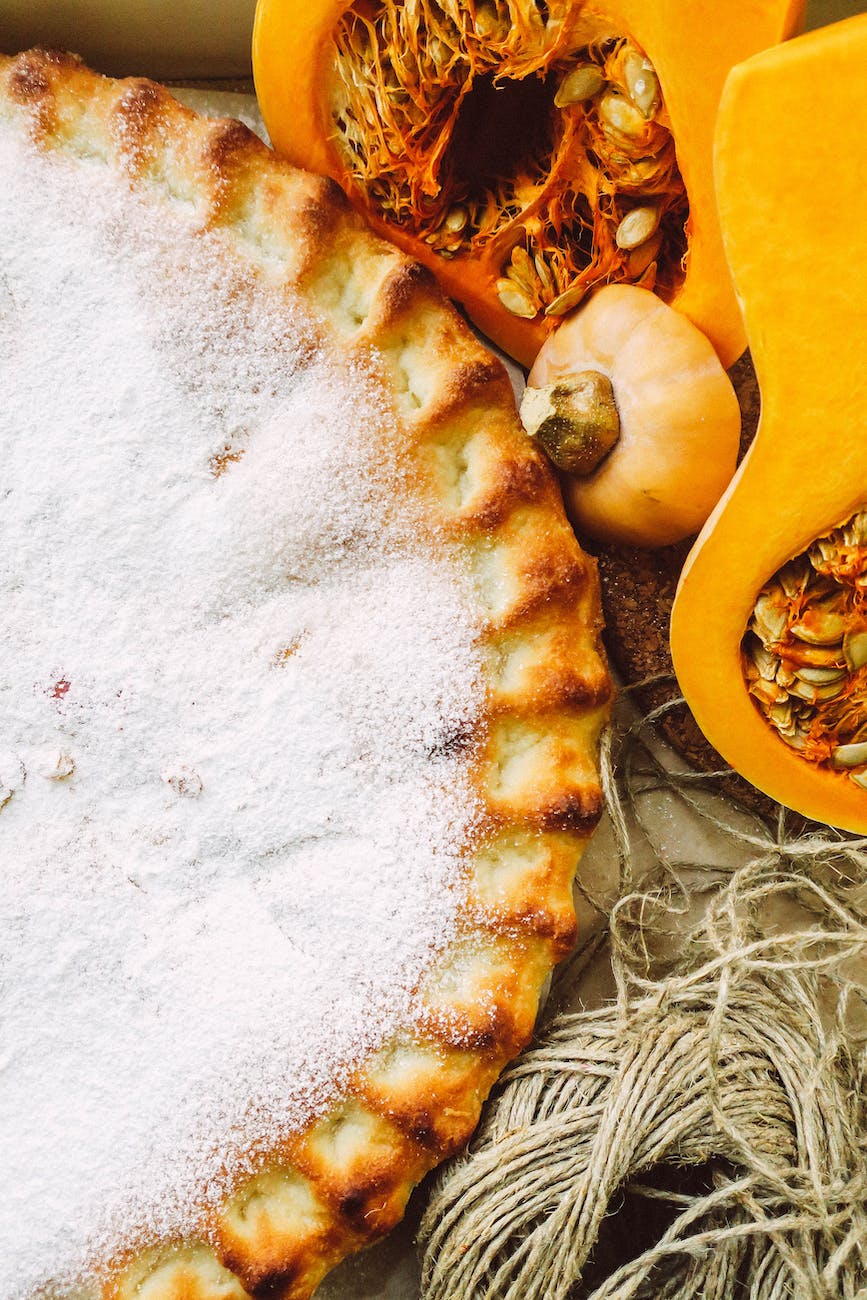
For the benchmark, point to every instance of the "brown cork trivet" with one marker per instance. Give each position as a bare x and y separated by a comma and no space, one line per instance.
638,589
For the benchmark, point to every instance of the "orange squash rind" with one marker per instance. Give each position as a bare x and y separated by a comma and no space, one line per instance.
791,131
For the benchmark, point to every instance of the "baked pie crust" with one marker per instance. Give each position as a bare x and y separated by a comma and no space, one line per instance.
345,1179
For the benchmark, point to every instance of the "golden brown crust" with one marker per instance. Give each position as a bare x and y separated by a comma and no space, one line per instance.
345,1180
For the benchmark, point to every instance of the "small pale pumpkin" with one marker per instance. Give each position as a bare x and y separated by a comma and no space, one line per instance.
677,412
769,627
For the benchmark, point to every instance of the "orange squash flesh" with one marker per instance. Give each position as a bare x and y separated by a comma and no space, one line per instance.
691,45
791,154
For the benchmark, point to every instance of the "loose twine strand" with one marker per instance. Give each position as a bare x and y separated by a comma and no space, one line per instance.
720,1097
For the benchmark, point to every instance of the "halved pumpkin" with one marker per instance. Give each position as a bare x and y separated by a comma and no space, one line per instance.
526,152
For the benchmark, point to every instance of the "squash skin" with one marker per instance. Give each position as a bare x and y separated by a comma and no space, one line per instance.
692,45
792,126
680,421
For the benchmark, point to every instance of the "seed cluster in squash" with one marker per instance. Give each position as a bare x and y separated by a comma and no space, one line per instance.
528,152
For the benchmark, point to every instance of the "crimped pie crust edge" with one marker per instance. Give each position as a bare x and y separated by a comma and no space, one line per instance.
345,1181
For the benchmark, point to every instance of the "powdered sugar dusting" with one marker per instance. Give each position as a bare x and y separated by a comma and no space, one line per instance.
234,698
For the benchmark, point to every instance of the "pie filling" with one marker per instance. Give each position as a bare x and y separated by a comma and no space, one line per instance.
235,687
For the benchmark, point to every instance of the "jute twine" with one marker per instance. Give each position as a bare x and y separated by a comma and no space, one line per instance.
703,1136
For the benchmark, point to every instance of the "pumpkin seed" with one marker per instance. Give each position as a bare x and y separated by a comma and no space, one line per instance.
583,82
637,227
783,718
769,619
640,258
801,655
782,714
642,83
821,676
817,694
456,219
855,649
785,674
849,755
522,269
860,778
638,173
793,577
542,270
514,300
526,287
620,119
566,300
769,693
765,663
529,288
818,626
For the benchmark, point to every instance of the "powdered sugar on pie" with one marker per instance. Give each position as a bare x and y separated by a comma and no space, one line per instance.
235,697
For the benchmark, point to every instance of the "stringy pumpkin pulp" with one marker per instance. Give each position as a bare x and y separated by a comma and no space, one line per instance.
475,127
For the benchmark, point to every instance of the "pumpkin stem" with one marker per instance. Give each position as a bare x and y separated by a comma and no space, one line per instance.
575,420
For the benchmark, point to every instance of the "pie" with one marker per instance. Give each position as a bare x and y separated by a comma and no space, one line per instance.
301,692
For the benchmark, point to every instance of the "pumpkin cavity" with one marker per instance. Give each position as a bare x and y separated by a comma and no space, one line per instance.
805,651
488,125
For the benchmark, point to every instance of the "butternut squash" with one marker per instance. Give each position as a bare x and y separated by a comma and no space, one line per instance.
769,626
527,153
